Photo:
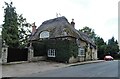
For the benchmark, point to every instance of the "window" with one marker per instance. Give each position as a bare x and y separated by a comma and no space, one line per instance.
44,34
51,53
81,52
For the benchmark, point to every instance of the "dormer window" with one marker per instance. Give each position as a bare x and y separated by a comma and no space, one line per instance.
44,34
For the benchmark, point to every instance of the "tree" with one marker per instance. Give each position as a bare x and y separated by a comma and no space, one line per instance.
89,31
110,48
10,26
99,41
113,47
101,47
24,30
15,28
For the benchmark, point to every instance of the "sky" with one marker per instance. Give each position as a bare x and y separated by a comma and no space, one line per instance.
100,15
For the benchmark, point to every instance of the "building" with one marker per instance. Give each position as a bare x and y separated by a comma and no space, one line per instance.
57,39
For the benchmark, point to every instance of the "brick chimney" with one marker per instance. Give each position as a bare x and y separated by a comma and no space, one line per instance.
33,28
73,23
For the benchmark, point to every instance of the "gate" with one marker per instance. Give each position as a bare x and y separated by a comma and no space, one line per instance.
17,54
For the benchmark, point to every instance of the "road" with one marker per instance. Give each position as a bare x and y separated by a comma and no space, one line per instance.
102,69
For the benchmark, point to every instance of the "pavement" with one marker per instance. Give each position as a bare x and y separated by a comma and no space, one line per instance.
19,69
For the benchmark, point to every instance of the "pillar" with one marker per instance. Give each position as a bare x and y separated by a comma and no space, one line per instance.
30,52
4,54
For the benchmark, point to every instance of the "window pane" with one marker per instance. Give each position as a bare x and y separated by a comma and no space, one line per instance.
44,34
51,53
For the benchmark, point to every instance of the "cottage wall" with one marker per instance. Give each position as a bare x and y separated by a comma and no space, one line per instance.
88,53
73,59
94,54
82,43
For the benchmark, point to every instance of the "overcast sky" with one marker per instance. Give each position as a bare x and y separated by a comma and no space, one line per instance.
100,15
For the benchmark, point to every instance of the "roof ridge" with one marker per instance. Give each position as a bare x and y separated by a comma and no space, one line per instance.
55,20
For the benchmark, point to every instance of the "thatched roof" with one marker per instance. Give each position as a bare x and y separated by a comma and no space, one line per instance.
86,38
57,27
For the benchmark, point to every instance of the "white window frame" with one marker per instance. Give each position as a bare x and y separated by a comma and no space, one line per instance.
51,53
81,52
44,34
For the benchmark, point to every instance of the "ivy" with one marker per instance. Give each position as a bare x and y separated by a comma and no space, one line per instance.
64,49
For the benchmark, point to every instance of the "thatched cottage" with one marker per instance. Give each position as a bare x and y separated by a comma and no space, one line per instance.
58,40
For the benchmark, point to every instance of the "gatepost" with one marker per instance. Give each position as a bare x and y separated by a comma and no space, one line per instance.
30,52
4,53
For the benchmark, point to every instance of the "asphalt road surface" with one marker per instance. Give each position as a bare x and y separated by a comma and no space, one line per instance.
102,69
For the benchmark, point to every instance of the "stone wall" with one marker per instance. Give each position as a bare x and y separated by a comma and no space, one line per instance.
81,58
73,60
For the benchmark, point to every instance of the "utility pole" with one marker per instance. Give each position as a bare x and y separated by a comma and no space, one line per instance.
119,24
